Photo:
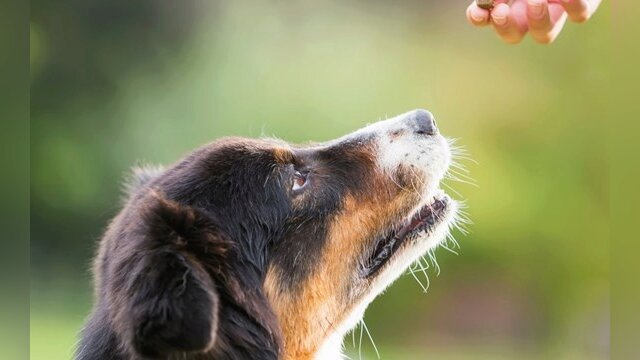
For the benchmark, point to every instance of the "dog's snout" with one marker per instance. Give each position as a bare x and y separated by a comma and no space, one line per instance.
422,122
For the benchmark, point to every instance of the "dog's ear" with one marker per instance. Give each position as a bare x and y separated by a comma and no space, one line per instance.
171,301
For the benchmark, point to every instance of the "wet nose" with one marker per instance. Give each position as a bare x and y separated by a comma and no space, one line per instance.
422,122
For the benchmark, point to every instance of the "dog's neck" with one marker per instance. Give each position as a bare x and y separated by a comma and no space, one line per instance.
314,332
323,343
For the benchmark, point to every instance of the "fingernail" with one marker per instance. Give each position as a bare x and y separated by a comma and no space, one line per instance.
500,20
536,8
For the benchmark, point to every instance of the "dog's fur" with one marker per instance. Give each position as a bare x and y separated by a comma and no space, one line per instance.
222,256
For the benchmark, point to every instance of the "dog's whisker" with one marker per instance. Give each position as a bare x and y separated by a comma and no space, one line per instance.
462,178
424,288
353,336
459,166
453,240
426,263
464,157
434,262
462,175
419,191
360,343
448,249
370,338
455,178
426,276
450,188
398,185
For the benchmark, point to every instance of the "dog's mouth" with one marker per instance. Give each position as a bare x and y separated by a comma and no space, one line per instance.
424,220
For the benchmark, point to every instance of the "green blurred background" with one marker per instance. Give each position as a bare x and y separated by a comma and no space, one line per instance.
116,84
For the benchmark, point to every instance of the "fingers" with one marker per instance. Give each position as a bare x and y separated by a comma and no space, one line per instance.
545,20
507,25
580,10
477,16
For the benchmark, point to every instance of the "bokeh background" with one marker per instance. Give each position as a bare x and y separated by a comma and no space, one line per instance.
115,84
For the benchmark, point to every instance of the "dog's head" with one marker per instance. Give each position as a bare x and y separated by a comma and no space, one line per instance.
298,238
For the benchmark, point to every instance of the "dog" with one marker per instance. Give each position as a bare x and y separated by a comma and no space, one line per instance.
258,249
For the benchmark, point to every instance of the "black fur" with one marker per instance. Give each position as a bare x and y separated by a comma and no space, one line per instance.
180,271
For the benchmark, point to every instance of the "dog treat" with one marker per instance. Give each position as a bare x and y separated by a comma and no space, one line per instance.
485,4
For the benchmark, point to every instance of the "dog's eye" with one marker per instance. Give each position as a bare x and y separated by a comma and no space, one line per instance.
299,180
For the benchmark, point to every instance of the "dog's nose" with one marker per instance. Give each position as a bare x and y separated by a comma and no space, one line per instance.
422,122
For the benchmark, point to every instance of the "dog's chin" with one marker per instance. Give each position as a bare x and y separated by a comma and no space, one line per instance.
401,245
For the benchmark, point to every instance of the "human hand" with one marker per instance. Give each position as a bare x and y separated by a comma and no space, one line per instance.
543,19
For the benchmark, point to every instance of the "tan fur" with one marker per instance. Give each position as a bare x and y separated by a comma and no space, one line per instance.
282,155
309,316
